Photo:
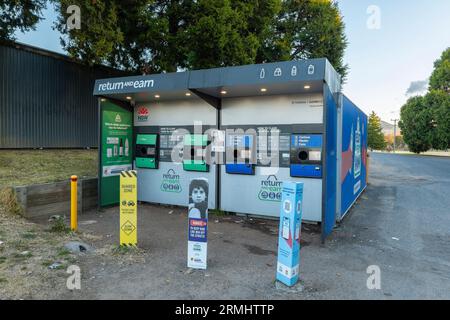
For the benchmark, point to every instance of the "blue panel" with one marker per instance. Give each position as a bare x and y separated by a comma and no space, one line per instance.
329,210
239,168
306,170
306,140
354,152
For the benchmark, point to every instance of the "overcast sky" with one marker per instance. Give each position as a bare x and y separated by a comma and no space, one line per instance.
392,47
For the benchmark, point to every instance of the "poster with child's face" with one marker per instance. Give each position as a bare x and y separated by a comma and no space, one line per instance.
198,199
198,224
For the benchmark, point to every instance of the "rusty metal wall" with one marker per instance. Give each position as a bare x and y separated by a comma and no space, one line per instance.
46,99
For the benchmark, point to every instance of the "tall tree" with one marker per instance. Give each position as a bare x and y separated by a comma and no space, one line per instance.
167,35
20,15
416,124
440,78
438,102
375,136
307,29
425,121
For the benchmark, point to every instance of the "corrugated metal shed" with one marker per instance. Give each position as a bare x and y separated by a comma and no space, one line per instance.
46,99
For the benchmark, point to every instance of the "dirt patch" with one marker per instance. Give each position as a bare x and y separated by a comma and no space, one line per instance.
33,260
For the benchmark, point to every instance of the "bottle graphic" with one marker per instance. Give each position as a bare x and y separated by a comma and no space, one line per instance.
262,74
126,147
357,160
120,148
115,150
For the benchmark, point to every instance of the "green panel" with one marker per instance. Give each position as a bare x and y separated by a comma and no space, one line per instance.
195,165
146,163
116,149
110,193
146,139
196,140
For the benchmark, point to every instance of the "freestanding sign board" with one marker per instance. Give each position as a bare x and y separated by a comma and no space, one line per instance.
128,208
198,223
289,233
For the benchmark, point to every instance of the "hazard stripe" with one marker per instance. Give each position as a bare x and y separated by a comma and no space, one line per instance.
123,174
128,174
133,172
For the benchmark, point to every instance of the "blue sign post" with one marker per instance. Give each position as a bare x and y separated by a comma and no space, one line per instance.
289,233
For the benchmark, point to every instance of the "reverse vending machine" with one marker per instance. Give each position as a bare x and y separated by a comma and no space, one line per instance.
147,151
246,129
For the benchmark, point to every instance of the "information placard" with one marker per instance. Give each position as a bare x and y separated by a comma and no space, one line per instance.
198,224
289,233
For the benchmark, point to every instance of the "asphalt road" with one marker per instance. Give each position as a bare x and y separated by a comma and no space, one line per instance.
400,224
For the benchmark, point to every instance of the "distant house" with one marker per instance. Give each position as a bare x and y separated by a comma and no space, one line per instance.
46,99
388,129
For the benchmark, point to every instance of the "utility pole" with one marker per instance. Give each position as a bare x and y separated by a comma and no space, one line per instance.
395,130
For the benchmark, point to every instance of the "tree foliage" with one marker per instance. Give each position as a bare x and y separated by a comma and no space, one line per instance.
20,15
308,29
440,78
375,136
425,121
416,124
168,35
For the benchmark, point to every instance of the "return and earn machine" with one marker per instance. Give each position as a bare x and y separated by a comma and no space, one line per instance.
246,129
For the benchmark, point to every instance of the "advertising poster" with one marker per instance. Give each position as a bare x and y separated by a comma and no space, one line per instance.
128,208
354,154
116,150
289,233
198,223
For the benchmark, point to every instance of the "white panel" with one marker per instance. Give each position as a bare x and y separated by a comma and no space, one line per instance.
270,110
176,113
170,184
245,193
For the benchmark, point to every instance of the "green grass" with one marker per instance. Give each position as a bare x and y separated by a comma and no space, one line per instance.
122,249
25,167
62,252
59,226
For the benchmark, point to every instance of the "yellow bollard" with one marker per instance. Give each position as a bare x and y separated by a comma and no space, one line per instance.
73,203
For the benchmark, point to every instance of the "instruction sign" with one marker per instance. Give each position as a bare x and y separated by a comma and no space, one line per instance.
289,232
115,151
128,208
117,142
198,223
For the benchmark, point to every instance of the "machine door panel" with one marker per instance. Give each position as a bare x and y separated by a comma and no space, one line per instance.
306,155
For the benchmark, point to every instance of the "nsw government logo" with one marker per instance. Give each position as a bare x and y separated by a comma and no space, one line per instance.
171,182
142,114
270,189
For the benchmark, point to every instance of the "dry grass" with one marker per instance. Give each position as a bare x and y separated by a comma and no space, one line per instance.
25,254
9,202
25,167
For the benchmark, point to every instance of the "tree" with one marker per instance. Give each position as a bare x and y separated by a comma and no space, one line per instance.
375,136
20,15
167,35
439,104
307,29
425,121
440,78
416,124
